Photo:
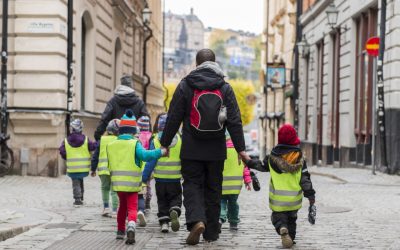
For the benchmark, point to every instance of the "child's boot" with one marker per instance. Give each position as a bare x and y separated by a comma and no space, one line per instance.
78,202
174,217
106,212
164,227
120,235
130,233
233,226
287,242
141,219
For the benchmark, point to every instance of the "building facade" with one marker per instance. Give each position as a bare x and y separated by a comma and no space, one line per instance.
184,36
275,104
108,39
338,83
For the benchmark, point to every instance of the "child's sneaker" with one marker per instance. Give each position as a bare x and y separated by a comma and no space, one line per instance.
174,217
165,227
286,240
114,214
120,235
220,225
78,203
141,219
106,212
130,233
233,226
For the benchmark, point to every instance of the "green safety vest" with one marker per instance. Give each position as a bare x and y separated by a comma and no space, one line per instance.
125,175
102,166
285,193
78,159
233,173
169,167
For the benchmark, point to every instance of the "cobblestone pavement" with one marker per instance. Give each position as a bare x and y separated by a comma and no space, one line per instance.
355,211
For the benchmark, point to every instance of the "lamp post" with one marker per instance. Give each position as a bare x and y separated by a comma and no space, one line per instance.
146,15
303,47
332,14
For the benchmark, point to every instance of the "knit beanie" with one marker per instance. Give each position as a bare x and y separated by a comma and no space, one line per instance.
144,123
113,126
126,80
162,120
128,124
76,126
287,135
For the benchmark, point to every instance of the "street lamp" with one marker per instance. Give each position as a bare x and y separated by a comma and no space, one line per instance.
332,14
146,14
303,47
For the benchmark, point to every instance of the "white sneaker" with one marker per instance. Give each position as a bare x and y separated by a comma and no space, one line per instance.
106,212
141,219
114,214
130,232
165,228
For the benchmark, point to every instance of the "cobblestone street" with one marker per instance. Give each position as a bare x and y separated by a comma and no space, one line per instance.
355,210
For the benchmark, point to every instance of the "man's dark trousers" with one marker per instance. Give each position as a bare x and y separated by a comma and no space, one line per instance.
202,191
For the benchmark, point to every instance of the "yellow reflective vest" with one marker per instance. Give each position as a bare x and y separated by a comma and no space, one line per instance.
169,167
125,175
285,193
102,165
233,173
78,159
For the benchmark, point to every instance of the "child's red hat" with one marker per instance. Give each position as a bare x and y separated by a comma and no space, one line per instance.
288,135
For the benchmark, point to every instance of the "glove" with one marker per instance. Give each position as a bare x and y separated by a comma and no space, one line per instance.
254,180
312,214
254,164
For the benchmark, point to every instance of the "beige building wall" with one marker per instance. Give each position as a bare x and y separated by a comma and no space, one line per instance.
108,42
280,34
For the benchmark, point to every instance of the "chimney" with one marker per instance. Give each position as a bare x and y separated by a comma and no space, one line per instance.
191,11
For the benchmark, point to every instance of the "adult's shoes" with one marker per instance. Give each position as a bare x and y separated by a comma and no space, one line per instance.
194,235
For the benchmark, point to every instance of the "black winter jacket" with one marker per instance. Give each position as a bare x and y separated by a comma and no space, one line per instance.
116,107
194,148
277,163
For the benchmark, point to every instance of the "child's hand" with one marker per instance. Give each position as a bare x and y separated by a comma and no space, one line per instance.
93,173
164,152
248,187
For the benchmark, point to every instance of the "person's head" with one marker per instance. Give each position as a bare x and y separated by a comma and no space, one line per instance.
126,80
144,123
76,126
161,120
113,127
287,135
128,124
204,55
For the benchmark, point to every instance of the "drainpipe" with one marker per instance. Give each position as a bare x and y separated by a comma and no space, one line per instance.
69,65
299,31
147,79
4,59
380,88
163,60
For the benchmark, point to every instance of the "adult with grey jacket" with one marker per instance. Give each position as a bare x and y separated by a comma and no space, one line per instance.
202,158
124,98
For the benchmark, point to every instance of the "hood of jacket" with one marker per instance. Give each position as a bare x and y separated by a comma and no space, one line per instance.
278,163
207,76
125,96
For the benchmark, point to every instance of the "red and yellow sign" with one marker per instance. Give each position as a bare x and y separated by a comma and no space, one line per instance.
372,46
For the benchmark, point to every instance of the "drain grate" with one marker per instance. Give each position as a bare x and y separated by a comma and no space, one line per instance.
99,240
64,225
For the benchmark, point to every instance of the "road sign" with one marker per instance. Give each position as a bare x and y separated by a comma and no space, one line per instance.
372,46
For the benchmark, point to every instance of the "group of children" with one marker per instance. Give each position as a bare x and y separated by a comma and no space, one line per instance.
128,156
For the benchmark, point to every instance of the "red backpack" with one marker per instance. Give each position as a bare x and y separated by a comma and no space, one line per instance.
207,113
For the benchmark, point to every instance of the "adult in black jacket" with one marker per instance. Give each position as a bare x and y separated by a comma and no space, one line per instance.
202,160
124,98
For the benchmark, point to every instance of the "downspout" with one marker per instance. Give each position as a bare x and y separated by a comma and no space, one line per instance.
264,122
69,64
4,59
380,88
163,60
147,79
299,31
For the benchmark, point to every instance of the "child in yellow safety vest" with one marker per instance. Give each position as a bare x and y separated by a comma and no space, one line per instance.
125,156
290,180
75,149
100,163
167,174
235,173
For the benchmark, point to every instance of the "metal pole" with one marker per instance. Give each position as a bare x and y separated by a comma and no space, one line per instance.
147,79
380,87
69,64
4,59
264,150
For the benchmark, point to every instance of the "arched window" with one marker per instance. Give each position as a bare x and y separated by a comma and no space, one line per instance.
117,62
87,67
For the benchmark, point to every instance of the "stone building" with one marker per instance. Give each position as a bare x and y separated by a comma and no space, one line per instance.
338,83
275,104
108,40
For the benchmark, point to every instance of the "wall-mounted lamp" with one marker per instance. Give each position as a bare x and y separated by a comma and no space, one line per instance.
332,14
303,47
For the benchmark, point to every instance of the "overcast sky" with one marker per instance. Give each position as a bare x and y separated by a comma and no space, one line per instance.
246,15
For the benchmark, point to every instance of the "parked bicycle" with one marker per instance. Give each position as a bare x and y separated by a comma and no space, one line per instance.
6,156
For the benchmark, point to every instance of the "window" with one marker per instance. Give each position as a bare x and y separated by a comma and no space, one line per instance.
87,63
335,89
307,118
366,28
117,62
83,65
320,87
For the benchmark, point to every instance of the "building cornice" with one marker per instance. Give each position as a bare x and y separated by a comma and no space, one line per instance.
314,11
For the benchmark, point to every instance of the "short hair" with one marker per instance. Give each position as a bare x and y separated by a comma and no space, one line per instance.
205,55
